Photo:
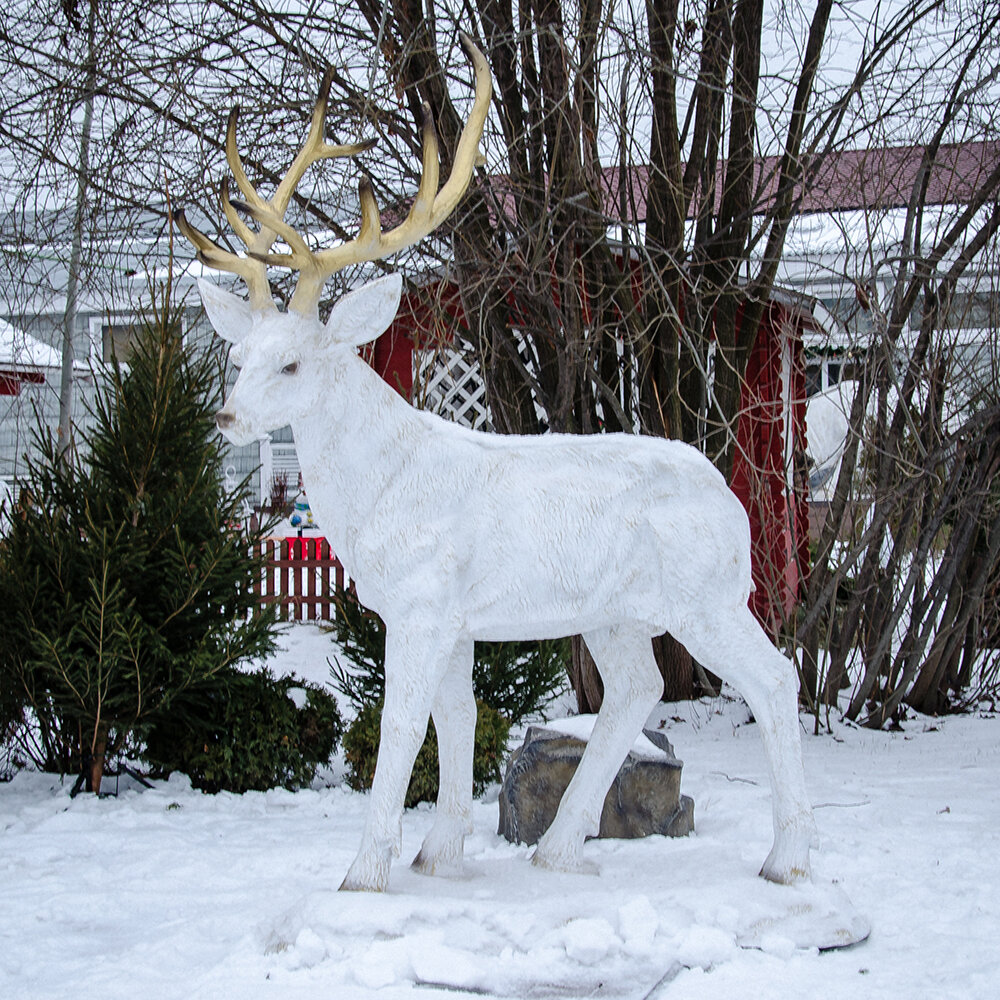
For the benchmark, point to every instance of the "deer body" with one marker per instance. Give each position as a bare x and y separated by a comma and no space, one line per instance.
585,522
455,536
537,537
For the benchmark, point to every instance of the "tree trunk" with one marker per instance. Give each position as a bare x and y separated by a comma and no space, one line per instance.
584,678
94,761
676,668
76,249
673,660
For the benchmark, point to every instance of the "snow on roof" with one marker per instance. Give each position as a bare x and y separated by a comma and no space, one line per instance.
20,350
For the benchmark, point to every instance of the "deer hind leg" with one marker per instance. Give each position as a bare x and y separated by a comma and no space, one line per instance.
454,714
415,661
632,687
736,648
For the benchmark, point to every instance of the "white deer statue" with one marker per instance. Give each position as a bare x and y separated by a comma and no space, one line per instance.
454,536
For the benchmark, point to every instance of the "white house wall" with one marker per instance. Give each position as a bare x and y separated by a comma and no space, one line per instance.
18,413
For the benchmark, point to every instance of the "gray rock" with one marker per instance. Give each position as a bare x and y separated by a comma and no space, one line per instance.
645,797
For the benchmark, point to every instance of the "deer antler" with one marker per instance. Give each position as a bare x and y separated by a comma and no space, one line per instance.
253,268
430,207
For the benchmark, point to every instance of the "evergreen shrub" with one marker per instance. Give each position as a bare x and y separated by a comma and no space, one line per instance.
249,735
11,716
361,743
11,721
125,580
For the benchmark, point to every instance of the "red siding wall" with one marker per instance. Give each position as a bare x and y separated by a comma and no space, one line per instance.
12,379
778,515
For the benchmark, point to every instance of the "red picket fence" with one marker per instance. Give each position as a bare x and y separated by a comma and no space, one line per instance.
300,577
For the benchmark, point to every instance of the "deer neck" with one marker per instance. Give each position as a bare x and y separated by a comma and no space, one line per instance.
351,444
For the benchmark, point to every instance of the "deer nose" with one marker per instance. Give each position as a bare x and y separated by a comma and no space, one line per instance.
224,420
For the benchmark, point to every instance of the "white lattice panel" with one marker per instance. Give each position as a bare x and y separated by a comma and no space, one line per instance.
450,384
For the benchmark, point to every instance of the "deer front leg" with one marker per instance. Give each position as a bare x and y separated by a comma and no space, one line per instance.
737,650
415,660
454,714
632,686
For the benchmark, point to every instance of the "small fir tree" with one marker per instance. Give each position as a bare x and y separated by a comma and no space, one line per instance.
127,580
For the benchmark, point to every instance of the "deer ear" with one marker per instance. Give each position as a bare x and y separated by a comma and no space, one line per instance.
230,315
364,314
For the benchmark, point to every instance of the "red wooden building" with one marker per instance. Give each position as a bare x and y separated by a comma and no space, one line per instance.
23,360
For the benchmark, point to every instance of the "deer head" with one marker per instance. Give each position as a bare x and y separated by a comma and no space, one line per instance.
273,349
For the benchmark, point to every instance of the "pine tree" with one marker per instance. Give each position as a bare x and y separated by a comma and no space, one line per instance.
126,581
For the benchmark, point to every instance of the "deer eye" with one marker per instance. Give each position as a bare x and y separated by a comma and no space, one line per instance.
290,369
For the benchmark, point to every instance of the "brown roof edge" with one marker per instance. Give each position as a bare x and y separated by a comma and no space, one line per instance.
844,180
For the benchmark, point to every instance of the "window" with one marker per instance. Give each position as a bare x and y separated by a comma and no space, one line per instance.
827,369
116,340
966,311
849,311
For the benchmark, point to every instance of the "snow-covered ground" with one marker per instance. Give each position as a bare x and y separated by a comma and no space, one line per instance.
173,894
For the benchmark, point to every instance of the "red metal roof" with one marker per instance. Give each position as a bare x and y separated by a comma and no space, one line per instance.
844,180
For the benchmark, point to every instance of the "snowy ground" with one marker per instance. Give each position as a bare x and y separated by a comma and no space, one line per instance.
169,893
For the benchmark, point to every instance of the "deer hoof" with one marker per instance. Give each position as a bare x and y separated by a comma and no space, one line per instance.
788,861
437,864
785,876
442,851
366,876
567,859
